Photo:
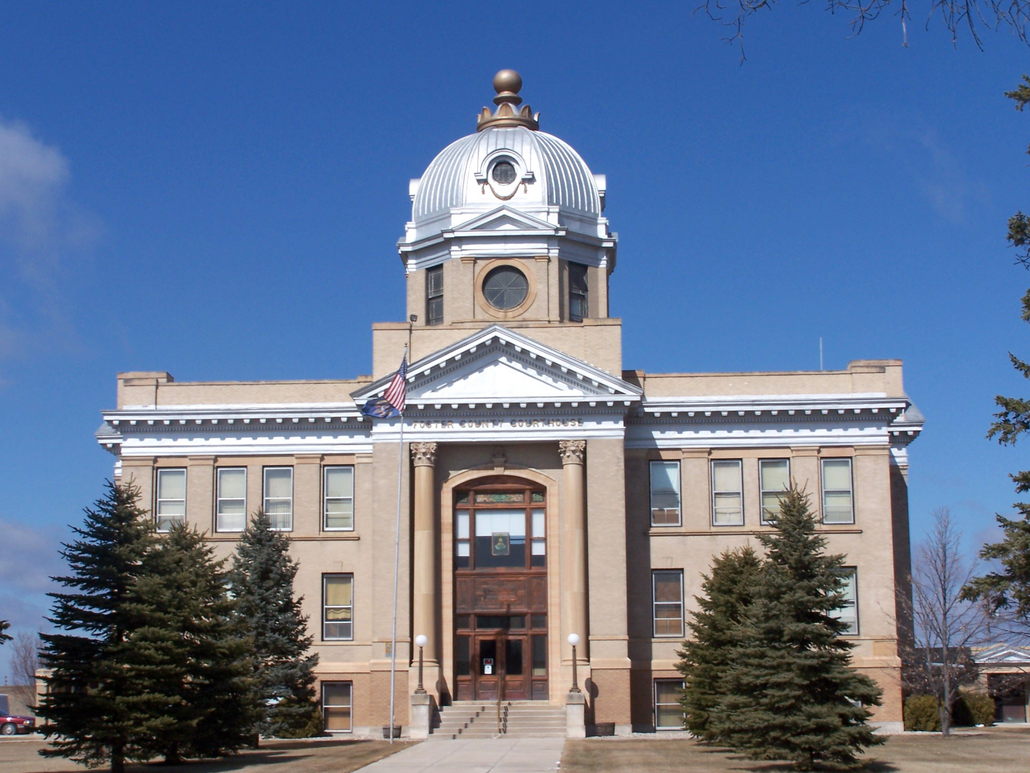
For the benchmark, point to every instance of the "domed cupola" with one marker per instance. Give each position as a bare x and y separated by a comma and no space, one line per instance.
508,190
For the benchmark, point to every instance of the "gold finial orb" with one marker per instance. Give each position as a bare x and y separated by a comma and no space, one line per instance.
507,80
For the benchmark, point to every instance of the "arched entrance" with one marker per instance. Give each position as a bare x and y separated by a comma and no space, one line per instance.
500,582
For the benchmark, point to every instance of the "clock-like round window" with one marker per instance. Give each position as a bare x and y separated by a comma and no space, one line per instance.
503,172
505,287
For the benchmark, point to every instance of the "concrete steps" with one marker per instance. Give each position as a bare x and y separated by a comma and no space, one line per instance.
519,719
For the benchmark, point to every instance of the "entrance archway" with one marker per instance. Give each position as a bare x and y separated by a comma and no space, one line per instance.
500,582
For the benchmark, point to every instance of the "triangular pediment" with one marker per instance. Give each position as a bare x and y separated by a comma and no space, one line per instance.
504,218
1004,653
500,366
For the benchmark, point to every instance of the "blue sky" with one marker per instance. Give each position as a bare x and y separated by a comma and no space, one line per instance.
216,190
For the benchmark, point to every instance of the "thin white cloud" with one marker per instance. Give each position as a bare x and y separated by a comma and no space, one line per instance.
28,559
951,191
921,157
41,231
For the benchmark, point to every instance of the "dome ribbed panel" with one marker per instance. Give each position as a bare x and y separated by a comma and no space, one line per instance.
563,178
441,185
569,182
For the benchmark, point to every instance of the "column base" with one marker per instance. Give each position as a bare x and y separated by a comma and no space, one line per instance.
421,715
575,715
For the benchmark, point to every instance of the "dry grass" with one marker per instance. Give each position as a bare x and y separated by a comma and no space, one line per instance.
314,756
999,750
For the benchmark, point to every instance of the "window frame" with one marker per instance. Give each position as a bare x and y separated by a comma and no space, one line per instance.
851,600
655,603
434,295
326,706
326,469
219,499
578,291
739,492
326,607
763,491
655,704
651,490
824,490
160,473
265,497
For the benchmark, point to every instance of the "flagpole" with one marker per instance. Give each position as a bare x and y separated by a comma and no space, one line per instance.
396,567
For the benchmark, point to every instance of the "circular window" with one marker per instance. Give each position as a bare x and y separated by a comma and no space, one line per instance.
503,172
505,287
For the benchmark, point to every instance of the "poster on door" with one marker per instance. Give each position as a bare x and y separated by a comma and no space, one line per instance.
488,666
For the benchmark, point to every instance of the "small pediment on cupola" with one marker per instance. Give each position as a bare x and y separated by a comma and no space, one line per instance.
499,367
505,219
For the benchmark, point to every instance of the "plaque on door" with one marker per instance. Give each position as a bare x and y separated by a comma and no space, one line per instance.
488,666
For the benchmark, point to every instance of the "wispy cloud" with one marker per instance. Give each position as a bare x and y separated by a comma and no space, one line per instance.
41,231
28,558
922,158
940,176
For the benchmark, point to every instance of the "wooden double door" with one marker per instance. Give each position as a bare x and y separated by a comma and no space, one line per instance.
500,581
501,656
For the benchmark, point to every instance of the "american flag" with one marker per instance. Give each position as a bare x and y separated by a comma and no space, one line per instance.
393,400
397,392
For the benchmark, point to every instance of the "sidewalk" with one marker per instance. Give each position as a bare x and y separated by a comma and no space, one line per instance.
486,755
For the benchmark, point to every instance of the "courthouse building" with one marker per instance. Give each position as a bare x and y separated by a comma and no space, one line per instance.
544,487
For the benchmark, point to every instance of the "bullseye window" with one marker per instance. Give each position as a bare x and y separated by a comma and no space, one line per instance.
503,172
505,287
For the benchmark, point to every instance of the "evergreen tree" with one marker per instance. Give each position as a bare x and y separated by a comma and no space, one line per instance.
726,596
262,582
88,706
790,692
189,658
4,625
1007,590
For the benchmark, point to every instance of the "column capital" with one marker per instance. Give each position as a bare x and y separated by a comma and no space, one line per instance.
572,451
423,454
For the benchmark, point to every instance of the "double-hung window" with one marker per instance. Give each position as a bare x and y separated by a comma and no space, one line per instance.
838,496
231,499
279,497
668,711
665,493
727,493
774,477
848,613
577,292
171,498
337,606
338,499
667,590
337,705
434,295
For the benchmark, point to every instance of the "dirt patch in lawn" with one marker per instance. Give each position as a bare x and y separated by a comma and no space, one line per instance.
999,750
309,756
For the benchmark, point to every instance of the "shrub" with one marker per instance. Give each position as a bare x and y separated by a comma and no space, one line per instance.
921,713
973,708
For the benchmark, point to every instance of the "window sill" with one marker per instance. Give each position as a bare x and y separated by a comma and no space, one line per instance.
668,531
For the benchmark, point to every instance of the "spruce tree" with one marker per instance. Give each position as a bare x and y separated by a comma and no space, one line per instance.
1006,590
262,583
88,708
4,625
726,596
189,657
790,690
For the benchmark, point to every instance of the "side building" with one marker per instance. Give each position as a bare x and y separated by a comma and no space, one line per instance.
544,492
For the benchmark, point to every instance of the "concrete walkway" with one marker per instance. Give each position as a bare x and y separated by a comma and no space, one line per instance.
486,755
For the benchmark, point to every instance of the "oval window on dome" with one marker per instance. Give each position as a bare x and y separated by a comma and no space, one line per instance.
503,172
505,287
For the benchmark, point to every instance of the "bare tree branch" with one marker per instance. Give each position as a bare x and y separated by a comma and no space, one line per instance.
973,17
938,658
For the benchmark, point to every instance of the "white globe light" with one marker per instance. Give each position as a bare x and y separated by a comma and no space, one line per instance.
421,640
573,639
